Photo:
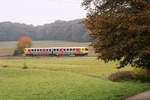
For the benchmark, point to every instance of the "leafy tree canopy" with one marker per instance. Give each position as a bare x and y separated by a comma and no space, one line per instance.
23,42
60,30
120,30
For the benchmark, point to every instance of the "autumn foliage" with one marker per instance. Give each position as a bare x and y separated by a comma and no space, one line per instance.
120,30
22,43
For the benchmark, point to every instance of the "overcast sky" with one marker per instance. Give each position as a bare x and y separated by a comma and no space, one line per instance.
39,12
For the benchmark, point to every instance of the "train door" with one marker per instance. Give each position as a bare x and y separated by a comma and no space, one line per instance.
60,52
77,51
64,51
29,52
44,52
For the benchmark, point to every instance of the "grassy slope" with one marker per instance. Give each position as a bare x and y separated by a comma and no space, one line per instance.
68,78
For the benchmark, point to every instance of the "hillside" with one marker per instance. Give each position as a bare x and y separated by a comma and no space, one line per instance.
59,30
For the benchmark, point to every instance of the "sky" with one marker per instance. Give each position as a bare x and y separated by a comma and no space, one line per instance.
39,12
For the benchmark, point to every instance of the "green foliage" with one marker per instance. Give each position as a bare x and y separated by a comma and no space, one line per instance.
120,30
143,61
59,30
63,79
23,42
18,51
121,76
141,74
25,66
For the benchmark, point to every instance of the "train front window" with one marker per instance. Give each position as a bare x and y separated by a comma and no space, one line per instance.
86,49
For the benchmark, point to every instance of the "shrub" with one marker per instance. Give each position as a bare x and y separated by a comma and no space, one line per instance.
121,76
5,66
18,52
141,74
25,66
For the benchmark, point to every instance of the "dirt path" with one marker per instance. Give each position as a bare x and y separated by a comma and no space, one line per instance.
141,96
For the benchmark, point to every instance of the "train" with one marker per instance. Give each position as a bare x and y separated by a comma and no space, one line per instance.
57,51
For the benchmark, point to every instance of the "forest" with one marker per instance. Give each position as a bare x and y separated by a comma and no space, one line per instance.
60,30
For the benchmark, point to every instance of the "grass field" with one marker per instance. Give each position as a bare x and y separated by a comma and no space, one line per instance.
7,48
64,78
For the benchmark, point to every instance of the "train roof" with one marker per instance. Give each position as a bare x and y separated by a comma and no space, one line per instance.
54,47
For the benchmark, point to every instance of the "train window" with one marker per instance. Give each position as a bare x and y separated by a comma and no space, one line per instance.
86,49
70,49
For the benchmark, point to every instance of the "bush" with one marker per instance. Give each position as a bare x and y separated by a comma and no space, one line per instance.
5,66
18,52
121,76
137,74
141,74
25,66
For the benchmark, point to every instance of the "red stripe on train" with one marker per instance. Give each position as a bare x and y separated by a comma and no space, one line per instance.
44,52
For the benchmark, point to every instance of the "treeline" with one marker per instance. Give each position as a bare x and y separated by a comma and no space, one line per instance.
59,30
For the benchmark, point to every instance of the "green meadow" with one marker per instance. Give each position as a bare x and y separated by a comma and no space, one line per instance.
63,78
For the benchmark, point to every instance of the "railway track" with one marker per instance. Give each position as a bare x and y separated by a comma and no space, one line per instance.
28,57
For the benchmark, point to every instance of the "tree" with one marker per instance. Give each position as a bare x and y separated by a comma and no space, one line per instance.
59,30
23,42
120,30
